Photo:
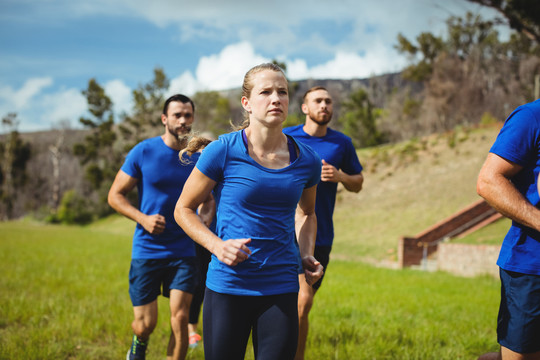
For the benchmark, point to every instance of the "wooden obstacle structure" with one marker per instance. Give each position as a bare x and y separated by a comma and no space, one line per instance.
412,250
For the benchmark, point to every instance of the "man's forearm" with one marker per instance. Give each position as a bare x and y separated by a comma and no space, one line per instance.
352,183
503,196
122,205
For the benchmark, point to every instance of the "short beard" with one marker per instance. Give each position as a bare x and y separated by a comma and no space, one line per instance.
184,137
321,122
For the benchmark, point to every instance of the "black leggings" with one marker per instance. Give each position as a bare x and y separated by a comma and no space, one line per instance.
229,319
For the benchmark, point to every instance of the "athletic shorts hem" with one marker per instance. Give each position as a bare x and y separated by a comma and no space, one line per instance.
149,278
322,255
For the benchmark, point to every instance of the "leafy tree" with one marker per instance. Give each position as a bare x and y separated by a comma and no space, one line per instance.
145,120
212,112
281,64
466,36
427,48
465,73
520,45
521,15
470,35
97,153
359,120
14,155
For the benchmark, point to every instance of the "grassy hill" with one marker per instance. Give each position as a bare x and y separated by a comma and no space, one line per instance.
409,187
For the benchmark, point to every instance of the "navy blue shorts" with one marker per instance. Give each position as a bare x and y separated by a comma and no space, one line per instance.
322,254
518,324
148,278
228,321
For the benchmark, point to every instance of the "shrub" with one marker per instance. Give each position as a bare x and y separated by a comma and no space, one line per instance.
73,209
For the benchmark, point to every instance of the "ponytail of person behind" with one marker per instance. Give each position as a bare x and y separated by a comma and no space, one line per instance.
195,143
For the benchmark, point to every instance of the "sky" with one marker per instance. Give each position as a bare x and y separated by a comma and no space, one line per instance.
50,49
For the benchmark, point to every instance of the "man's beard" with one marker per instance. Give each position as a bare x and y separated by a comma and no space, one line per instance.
321,120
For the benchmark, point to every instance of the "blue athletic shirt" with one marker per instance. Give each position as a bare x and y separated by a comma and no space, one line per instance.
258,203
337,149
161,178
519,142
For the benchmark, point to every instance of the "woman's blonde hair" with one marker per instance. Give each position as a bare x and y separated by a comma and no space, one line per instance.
195,143
247,86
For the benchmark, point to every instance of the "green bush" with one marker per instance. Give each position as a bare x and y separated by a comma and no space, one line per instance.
73,209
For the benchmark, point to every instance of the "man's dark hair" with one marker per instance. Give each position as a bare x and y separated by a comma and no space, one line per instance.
180,98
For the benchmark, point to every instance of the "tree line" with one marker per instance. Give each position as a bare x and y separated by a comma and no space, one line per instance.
466,77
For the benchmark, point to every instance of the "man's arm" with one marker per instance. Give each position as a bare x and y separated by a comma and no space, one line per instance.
122,185
495,186
352,183
306,233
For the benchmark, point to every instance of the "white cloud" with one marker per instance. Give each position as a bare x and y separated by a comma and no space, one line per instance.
226,70
221,71
18,99
31,88
120,95
37,110
297,69
349,65
67,104
184,84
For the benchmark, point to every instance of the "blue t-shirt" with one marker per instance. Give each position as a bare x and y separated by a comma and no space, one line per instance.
161,178
519,142
337,149
258,203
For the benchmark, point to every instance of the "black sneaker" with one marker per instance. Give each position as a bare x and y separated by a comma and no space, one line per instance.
137,351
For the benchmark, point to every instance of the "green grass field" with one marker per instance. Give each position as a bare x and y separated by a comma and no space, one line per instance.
65,296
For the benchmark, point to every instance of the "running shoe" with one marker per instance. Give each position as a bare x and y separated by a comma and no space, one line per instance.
137,351
194,340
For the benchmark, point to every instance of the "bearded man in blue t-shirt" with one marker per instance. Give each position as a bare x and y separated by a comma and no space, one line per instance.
163,256
508,181
339,165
